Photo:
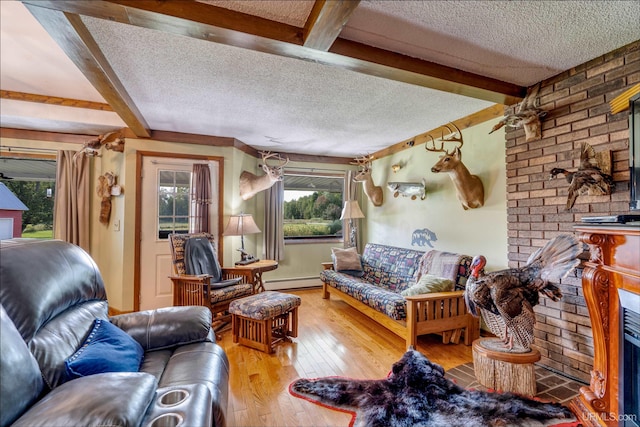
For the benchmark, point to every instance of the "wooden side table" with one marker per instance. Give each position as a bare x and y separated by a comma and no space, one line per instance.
254,272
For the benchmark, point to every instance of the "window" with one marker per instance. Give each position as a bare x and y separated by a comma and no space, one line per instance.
32,179
312,206
174,188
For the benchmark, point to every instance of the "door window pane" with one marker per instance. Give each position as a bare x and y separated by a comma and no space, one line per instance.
174,188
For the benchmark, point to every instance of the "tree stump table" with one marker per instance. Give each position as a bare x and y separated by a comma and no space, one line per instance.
503,370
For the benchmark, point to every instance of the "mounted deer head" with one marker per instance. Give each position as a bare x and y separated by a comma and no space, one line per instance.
251,184
373,192
469,188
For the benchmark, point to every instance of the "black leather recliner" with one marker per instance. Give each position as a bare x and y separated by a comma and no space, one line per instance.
50,294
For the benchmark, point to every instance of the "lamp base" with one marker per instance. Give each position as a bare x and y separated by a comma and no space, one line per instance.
246,258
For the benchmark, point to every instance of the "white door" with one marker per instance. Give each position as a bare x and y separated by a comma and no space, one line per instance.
6,228
166,207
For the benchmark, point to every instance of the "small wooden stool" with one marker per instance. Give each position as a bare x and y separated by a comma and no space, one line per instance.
262,320
504,371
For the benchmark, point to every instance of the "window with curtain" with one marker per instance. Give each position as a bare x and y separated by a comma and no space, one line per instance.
312,206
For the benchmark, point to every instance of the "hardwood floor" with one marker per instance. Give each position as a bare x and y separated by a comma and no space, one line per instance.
333,340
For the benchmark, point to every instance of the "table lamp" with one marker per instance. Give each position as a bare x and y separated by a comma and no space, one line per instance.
352,211
239,225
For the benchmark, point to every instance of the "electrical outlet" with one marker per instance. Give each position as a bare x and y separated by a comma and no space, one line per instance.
116,225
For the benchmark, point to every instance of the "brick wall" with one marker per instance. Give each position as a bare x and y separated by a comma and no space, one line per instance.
578,111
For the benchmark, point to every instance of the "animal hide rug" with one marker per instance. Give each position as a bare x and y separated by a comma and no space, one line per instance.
416,393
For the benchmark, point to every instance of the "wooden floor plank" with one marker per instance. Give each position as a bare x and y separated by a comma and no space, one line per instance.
333,339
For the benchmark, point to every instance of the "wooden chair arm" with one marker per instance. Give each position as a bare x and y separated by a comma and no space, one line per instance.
200,278
232,273
327,265
435,296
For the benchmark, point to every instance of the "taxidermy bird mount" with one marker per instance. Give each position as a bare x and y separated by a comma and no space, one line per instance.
105,184
505,299
590,178
527,115
111,141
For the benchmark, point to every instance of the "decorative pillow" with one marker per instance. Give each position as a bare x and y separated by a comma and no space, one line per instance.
428,284
107,348
347,261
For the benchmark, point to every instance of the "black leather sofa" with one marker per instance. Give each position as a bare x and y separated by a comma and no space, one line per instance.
51,292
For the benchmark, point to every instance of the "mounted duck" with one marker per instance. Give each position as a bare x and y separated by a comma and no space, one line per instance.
588,179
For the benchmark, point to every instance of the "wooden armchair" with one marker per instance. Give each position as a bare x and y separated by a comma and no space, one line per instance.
215,288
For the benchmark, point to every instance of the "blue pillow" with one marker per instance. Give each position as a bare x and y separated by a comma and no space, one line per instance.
107,348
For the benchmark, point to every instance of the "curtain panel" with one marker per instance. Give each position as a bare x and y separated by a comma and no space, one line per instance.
273,222
201,198
72,201
350,193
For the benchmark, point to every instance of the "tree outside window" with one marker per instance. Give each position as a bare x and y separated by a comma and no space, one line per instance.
312,206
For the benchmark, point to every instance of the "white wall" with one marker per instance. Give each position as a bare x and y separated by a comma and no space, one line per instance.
479,231
474,231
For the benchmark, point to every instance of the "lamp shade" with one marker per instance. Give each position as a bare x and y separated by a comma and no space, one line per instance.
351,210
240,225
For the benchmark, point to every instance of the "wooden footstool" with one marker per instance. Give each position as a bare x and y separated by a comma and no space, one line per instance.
265,319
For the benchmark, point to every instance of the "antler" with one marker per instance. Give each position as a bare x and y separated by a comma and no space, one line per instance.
451,138
268,154
363,162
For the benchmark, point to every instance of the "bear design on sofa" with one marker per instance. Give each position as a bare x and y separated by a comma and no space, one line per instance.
387,271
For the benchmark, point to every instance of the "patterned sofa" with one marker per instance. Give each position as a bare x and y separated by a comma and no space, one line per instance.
388,271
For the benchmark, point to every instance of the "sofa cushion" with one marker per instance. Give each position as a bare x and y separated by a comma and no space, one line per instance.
65,278
383,300
20,380
107,348
428,284
389,267
110,399
167,327
347,261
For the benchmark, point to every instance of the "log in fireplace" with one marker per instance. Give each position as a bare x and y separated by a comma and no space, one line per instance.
611,285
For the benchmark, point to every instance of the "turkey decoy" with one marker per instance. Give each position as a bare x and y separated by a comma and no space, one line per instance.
506,298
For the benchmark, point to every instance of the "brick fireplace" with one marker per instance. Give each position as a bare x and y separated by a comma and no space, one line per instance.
578,111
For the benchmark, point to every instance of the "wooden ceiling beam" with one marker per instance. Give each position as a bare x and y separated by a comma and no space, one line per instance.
54,100
471,120
68,30
325,22
206,22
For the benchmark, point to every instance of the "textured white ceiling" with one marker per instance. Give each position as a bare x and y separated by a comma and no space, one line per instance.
284,11
186,85
521,42
268,101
